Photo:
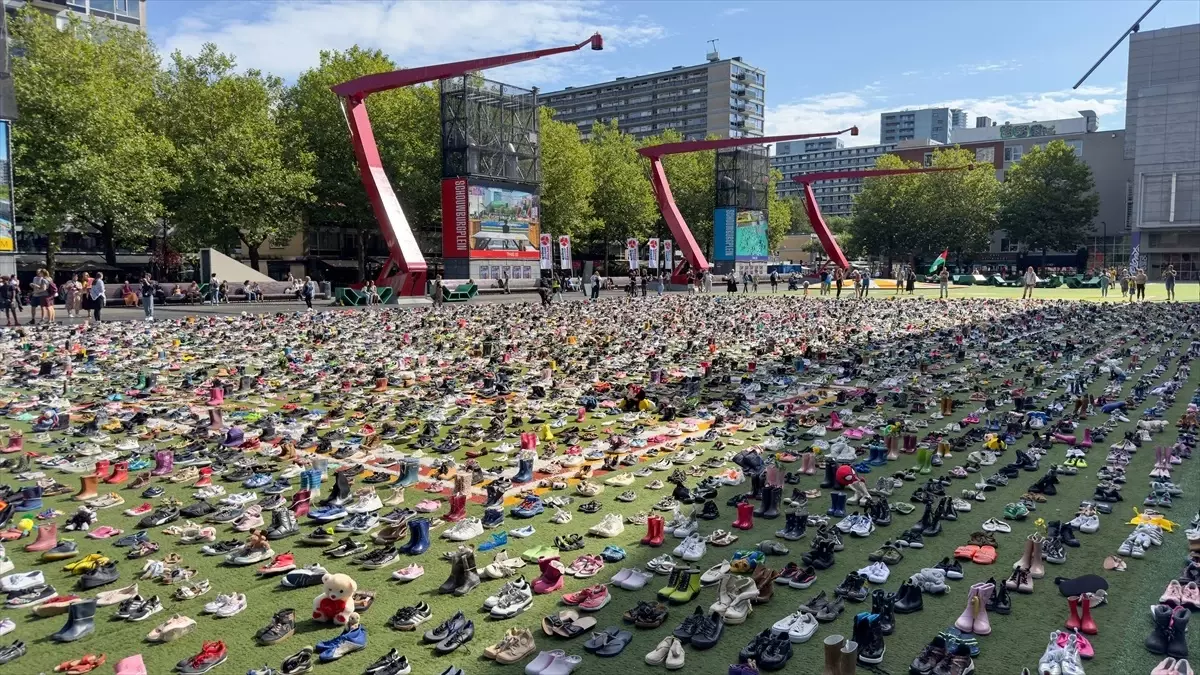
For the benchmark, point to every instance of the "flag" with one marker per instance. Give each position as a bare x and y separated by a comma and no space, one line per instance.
941,260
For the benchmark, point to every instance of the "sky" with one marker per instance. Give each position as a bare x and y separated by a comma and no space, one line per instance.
829,65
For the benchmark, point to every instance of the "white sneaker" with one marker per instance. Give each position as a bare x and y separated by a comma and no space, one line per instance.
876,573
610,526
209,491
218,602
19,582
367,502
465,529
686,529
234,605
560,517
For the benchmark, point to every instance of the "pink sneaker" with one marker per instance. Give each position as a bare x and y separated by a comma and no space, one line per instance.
1081,643
131,665
1191,595
598,598
103,532
146,507
1173,595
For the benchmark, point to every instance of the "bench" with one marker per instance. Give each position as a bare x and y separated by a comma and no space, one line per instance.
963,279
462,293
999,282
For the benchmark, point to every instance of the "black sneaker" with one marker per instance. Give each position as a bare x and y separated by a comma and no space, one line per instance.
100,576
346,547
321,536
34,595
590,507
128,606
222,547
408,618
303,577
380,557
12,652
152,492
226,514
200,508
282,625
145,609
391,663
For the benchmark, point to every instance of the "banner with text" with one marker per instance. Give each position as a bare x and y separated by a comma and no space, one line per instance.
547,253
668,254
631,253
725,233
564,252
652,254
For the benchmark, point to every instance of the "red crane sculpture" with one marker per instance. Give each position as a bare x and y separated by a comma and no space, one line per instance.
692,255
814,211
404,255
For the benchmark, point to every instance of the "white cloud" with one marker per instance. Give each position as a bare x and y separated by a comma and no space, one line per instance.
988,67
839,110
733,10
285,38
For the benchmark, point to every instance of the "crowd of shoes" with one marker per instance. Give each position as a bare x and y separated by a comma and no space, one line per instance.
329,418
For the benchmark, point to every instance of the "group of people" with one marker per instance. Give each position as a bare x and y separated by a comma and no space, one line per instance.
82,294
1133,282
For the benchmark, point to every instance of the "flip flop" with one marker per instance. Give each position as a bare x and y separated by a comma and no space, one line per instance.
575,627
363,600
986,555
616,644
602,638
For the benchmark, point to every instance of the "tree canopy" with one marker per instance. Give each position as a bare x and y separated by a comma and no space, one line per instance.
1048,202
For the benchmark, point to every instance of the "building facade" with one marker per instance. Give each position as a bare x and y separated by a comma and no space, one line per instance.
131,13
935,124
835,197
1162,141
725,98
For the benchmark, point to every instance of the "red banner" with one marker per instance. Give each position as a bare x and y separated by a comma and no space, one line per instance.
456,224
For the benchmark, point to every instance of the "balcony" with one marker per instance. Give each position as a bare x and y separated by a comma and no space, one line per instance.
738,91
738,124
740,77
740,107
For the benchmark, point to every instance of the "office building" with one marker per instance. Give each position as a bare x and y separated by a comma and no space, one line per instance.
935,124
835,197
725,98
131,13
1162,140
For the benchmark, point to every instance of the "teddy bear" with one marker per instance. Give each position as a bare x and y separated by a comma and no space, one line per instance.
336,601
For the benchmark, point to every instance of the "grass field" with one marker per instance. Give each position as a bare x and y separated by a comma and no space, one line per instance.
1185,292
1017,640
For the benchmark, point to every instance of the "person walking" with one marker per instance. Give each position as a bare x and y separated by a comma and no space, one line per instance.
658,284
899,279
746,281
911,281
1030,281
506,291
96,293
1124,277
1140,282
556,288
1169,281
838,278
147,292
774,281
708,281
308,291
943,284
1104,283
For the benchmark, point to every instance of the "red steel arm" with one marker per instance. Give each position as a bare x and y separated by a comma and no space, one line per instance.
662,188
814,212
403,251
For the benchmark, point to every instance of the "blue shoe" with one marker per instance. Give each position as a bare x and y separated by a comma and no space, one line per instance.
324,514
493,517
530,507
522,532
132,539
139,464
280,486
256,481
495,541
613,554
351,640
862,467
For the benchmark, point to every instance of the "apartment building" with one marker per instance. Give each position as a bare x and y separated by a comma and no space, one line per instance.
835,197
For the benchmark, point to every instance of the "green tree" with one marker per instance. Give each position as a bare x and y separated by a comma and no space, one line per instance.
692,176
623,201
886,220
406,125
779,213
799,215
568,179
238,180
958,207
85,148
1047,202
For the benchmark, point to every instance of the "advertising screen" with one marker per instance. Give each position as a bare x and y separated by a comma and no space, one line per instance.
6,204
503,222
751,235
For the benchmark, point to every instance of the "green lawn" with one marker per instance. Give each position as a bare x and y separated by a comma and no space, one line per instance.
1017,641
1185,292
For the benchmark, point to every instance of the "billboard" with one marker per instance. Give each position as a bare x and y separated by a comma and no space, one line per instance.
725,233
751,235
482,220
7,235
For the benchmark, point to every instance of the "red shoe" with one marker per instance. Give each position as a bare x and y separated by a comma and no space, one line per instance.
598,598
120,473
579,596
142,510
211,655
205,477
284,562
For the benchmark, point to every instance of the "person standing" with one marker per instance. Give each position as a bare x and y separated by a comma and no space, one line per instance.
911,281
96,293
658,284
147,293
39,289
774,281
1030,281
438,292
899,279
595,286
308,291
1124,277
866,282
214,289
838,277
1104,284
1140,282
708,282
73,296
7,302
506,291
1169,281
943,283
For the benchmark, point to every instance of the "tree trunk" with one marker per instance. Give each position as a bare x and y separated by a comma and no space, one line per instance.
253,252
53,244
362,256
108,235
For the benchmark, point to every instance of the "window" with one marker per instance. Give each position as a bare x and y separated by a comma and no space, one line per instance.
1077,146
638,99
1013,153
927,160
640,128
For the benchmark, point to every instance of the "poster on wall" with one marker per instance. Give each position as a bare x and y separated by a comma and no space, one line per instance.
7,231
668,248
631,253
725,233
1135,251
488,221
751,235
546,254
652,254
564,252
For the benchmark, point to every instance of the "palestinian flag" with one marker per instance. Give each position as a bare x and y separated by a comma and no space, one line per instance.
941,260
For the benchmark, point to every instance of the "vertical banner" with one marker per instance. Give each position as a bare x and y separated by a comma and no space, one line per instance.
631,253
725,233
668,247
547,253
564,252
456,223
1135,251
652,254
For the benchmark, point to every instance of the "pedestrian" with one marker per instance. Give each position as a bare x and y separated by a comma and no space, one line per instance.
1030,280
1140,281
708,281
7,302
556,287
1169,281
645,279
658,284
147,293
899,279
18,302
943,283
838,277
308,291
214,289
39,289
438,292
866,282
1104,284
774,281
73,296
96,293
911,281
1124,277
595,286
746,282
731,283
506,291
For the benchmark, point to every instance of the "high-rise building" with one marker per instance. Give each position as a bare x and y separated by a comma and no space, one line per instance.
130,13
1162,137
835,197
932,123
725,98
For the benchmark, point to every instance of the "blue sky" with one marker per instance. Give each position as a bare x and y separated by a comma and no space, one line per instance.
828,64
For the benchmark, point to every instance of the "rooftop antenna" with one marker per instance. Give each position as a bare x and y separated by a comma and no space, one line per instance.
714,55
1128,31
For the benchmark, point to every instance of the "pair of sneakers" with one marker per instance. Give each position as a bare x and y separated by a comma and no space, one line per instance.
692,548
857,524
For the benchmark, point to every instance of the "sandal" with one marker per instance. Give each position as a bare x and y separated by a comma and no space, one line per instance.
551,624
993,525
575,627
